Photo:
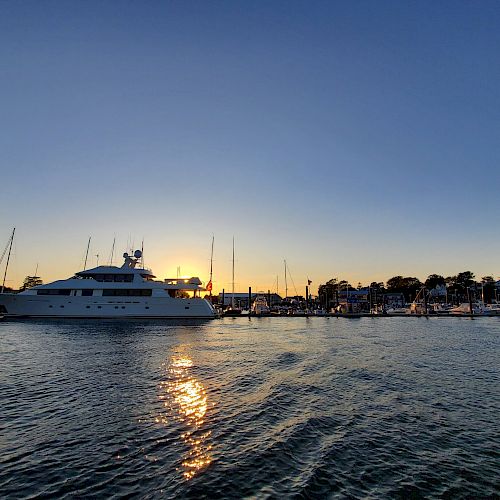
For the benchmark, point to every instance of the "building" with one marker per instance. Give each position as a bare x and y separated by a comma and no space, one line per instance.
354,301
394,300
241,299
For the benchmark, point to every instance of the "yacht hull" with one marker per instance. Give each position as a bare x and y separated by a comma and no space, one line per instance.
33,306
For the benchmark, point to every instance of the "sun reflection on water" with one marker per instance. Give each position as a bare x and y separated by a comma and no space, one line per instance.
185,399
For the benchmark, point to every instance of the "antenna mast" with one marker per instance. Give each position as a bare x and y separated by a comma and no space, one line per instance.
112,252
87,254
8,259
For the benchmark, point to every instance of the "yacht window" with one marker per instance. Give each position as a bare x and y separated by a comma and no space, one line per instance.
110,278
48,291
87,293
127,293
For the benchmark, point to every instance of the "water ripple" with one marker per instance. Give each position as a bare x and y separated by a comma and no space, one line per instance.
267,408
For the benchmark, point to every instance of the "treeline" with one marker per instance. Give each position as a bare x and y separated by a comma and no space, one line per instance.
456,286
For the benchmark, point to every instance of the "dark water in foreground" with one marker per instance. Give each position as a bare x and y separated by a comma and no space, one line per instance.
272,407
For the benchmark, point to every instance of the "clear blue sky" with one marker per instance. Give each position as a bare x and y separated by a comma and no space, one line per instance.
356,139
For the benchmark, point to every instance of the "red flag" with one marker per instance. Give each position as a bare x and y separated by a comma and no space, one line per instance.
209,286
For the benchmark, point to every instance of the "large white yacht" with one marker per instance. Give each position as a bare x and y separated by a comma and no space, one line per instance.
111,292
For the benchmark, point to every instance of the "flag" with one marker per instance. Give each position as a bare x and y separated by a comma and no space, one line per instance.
309,282
209,286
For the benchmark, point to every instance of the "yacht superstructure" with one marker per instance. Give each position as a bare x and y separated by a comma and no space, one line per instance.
111,292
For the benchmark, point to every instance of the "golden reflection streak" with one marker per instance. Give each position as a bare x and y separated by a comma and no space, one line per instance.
190,401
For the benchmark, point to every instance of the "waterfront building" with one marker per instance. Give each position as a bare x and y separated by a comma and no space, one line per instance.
241,299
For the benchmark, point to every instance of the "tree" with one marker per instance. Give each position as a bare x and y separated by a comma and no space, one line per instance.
377,286
488,288
434,280
408,286
458,285
329,291
377,291
463,280
326,292
30,282
395,284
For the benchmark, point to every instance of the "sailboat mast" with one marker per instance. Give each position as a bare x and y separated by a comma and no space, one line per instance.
286,283
87,254
8,259
211,263
232,292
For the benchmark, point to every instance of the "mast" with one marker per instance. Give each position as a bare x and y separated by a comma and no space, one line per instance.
286,283
232,290
142,253
87,254
211,264
112,252
8,259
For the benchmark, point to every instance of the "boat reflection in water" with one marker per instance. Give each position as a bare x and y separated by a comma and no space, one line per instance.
185,400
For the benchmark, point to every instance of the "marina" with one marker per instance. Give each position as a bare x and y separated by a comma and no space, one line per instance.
133,291
249,250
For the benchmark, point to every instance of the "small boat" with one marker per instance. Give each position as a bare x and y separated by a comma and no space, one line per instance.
297,312
398,310
230,311
492,309
260,307
464,309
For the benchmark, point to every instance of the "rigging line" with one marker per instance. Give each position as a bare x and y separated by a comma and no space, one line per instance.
112,251
290,274
8,259
5,250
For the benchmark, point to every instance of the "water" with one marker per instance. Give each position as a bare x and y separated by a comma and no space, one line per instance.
269,407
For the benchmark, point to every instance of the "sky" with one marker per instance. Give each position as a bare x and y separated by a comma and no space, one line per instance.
355,139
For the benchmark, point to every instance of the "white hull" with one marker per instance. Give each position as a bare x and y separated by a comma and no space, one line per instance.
17,305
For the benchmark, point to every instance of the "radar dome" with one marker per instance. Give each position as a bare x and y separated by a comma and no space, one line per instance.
137,254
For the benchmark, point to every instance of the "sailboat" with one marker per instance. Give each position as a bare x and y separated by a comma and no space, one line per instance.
232,310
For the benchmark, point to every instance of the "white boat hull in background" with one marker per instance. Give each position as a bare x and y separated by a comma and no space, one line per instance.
37,306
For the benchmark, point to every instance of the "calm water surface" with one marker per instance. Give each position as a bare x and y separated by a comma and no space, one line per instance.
270,407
